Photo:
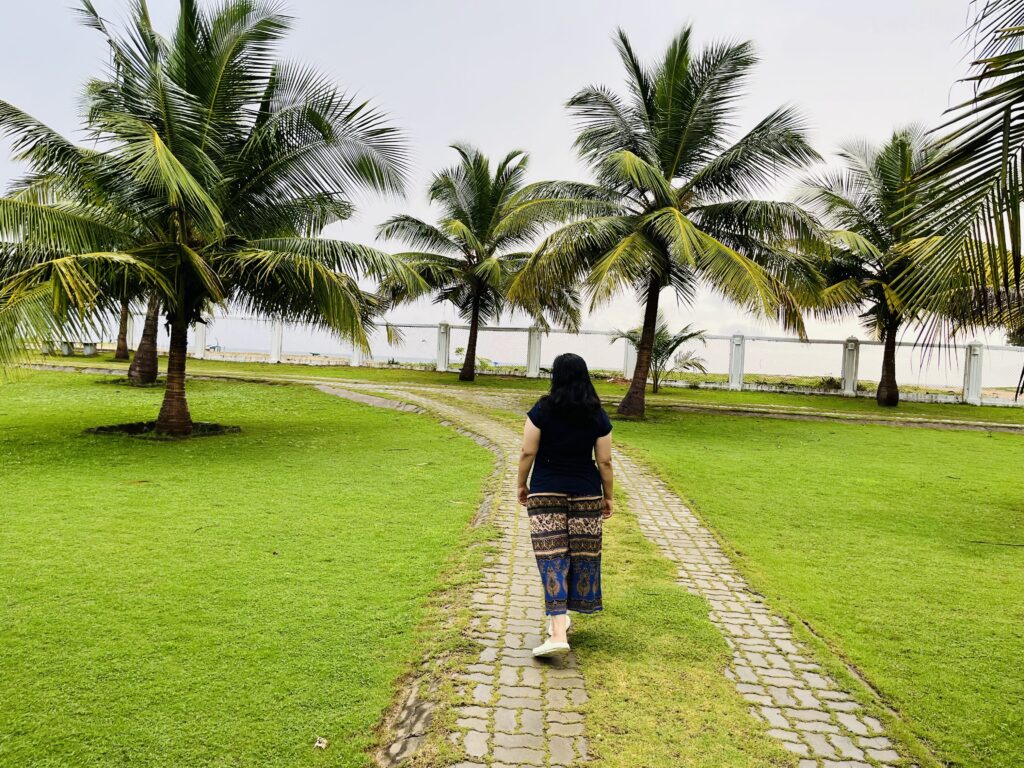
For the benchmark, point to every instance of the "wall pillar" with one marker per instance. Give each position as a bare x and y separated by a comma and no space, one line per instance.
533,353
276,340
851,362
629,361
356,358
444,345
199,348
737,347
972,373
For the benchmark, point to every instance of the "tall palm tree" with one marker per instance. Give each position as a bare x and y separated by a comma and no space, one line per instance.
975,183
68,177
225,164
145,366
62,182
868,206
663,156
121,349
480,244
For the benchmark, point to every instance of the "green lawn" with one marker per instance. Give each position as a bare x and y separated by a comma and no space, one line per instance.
220,601
861,407
903,548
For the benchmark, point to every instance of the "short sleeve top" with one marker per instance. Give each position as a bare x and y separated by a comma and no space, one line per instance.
565,458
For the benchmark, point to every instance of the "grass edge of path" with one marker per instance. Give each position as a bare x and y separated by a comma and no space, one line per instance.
443,643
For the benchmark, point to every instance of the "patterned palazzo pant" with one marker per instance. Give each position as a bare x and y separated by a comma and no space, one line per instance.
566,535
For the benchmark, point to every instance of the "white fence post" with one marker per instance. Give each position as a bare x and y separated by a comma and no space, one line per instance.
444,345
736,350
356,358
851,362
130,330
972,373
276,341
629,361
533,353
200,346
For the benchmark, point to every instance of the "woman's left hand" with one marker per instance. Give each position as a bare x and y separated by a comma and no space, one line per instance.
609,508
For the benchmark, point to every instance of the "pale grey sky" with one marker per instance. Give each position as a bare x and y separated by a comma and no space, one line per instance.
498,74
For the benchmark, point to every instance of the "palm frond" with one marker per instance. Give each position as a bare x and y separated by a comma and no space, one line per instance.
775,146
416,234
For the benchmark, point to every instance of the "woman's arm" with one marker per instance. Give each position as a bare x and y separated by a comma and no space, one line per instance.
531,440
603,455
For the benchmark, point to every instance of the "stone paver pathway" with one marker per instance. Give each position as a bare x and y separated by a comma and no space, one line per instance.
523,712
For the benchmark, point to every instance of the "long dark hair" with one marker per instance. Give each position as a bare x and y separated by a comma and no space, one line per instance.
572,392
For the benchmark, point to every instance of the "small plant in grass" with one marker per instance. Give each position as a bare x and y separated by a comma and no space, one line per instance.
664,347
833,383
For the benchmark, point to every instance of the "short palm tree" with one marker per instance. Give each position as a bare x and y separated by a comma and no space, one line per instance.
223,165
679,185
868,205
665,345
481,243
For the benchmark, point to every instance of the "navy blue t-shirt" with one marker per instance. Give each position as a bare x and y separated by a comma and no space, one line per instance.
565,458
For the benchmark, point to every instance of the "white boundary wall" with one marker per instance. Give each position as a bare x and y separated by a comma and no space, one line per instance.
950,373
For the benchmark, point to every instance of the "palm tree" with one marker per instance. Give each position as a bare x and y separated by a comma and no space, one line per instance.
682,218
121,350
475,251
868,205
144,366
59,207
225,165
665,345
66,177
975,185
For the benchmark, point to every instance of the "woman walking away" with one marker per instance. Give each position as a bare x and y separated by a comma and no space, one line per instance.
567,443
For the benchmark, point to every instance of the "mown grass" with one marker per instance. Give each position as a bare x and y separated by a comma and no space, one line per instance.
902,548
860,407
220,601
654,666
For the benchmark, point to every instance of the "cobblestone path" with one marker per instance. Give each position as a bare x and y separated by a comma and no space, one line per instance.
527,713
524,712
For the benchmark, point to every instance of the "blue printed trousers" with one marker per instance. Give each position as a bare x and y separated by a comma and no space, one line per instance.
566,535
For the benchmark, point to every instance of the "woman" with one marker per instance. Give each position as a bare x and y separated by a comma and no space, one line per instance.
568,496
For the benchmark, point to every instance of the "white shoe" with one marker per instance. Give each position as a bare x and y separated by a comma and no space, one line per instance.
568,623
548,649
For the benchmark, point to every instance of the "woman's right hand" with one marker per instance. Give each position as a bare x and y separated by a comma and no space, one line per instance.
524,491
609,508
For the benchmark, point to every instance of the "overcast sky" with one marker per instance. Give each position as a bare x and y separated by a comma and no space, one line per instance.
498,74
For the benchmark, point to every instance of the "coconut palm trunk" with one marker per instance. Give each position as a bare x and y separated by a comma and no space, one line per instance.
634,402
468,372
121,353
175,419
888,390
143,369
